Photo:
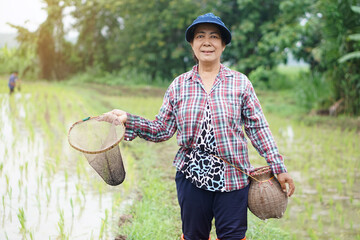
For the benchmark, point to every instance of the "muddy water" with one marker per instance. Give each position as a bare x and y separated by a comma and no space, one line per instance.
44,196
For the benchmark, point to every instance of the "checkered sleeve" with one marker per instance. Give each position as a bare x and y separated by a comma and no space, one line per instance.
258,131
160,129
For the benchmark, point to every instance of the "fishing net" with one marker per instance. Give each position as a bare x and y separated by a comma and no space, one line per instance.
266,198
99,141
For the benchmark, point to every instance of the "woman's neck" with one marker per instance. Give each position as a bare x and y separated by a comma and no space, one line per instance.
208,73
209,68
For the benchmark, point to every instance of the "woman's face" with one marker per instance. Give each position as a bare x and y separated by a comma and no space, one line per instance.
207,43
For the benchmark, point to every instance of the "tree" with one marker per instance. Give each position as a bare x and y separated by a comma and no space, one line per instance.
152,37
22,58
51,54
352,37
262,31
333,21
92,19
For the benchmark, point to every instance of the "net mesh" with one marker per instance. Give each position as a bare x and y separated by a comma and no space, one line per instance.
99,141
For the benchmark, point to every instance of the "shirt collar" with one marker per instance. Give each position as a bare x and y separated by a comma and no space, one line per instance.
224,72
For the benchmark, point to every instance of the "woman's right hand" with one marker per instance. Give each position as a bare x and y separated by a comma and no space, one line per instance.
116,116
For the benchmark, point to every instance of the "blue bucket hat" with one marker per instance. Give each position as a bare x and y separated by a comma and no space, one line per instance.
208,18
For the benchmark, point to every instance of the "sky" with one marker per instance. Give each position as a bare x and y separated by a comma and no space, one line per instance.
26,13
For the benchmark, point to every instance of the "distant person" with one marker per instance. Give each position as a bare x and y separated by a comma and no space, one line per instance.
13,81
209,107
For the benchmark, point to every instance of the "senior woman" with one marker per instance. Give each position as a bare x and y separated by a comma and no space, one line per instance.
208,107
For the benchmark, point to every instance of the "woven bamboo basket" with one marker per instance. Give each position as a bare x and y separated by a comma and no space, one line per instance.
266,198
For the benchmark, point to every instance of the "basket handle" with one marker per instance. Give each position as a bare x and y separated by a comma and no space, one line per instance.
237,168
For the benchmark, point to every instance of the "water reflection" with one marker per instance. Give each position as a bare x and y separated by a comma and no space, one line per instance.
288,134
45,196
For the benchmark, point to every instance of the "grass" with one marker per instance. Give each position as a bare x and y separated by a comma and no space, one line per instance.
321,153
38,170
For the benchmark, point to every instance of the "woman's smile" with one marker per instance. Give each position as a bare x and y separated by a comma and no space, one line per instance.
207,43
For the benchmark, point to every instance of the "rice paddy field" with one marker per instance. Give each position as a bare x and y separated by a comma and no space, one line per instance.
49,191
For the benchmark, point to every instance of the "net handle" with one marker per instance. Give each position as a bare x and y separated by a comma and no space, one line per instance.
92,152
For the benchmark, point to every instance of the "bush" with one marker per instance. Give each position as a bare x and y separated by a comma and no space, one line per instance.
125,77
313,91
265,79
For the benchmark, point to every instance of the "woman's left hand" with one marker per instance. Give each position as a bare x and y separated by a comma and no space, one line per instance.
284,179
116,116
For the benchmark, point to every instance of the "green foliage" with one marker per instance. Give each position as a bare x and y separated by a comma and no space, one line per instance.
355,37
349,56
313,91
271,79
145,39
97,25
328,36
45,53
22,58
125,77
261,30
345,77
152,39
149,36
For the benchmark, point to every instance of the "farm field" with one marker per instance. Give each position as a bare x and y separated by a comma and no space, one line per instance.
49,191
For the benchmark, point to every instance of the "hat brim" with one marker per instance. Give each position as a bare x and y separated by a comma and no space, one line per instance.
225,33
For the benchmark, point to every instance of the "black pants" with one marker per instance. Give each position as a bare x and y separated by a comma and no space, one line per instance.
199,207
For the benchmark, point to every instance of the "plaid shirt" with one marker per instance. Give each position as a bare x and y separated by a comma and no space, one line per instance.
233,104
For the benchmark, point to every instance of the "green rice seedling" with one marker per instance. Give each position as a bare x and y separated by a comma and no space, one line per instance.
312,234
332,215
104,223
38,203
80,192
3,202
99,186
339,208
66,176
309,209
339,186
48,192
22,220
26,169
39,181
19,186
10,193
61,226
320,224
7,182
72,207
319,189
26,196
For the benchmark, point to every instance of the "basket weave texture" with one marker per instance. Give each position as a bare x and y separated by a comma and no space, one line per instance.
266,198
